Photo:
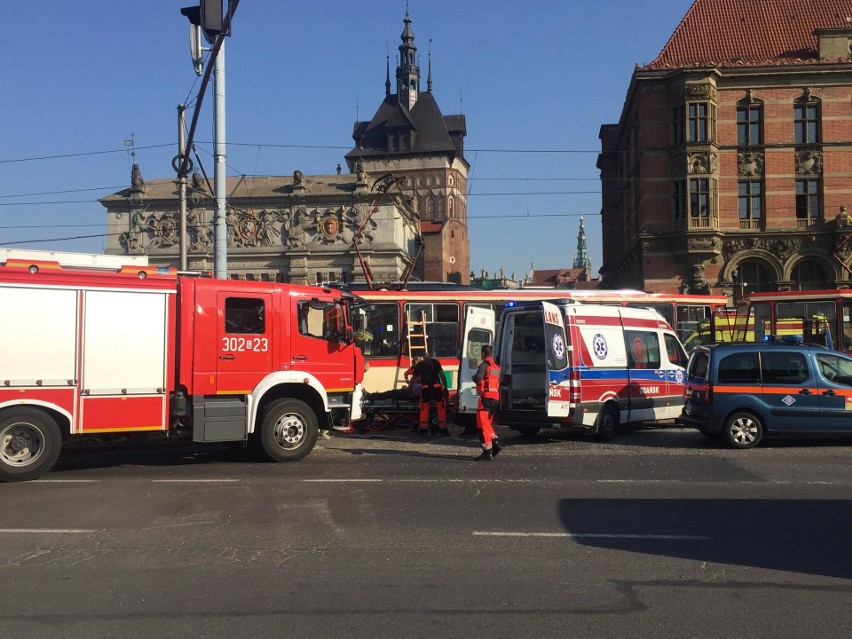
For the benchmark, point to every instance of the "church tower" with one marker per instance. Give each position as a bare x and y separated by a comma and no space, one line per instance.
582,259
411,139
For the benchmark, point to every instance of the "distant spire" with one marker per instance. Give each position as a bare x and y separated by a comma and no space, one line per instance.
582,260
387,72
429,76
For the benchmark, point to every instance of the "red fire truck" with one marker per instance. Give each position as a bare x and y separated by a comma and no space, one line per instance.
87,351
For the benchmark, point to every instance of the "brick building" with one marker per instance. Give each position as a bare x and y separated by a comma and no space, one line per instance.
729,169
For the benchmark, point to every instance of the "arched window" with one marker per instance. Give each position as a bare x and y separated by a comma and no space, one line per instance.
809,275
751,276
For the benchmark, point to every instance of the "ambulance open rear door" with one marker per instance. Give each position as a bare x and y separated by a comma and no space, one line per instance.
478,331
558,391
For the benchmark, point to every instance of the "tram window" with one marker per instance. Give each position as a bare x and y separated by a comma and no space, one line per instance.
847,326
377,330
814,321
689,316
663,309
443,337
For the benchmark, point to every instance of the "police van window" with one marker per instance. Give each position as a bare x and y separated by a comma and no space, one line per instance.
443,337
674,351
739,368
244,315
698,365
643,349
781,367
835,368
377,330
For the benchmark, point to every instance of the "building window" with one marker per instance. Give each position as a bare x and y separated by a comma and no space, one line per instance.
750,125
450,206
699,202
750,204
441,208
450,180
751,276
806,123
807,203
699,122
430,207
809,275
679,200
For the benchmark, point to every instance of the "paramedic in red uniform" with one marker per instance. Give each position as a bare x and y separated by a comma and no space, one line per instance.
487,380
434,389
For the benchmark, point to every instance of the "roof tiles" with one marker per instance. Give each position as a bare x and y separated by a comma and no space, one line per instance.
726,33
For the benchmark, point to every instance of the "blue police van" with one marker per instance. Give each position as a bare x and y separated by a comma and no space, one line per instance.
743,392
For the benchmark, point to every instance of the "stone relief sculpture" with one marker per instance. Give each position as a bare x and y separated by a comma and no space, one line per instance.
808,162
200,234
297,231
750,164
249,229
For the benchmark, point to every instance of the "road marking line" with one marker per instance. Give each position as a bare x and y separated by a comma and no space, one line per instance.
66,481
478,533
194,481
49,531
347,481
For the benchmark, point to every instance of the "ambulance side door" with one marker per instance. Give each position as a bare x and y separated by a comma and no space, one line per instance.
558,390
478,331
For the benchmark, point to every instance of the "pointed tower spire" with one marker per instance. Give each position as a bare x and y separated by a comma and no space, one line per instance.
429,77
407,70
387,70
582,260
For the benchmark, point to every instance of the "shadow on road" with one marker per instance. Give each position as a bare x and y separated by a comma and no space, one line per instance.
792,535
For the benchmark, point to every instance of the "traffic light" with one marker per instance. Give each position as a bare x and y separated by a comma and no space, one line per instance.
208,15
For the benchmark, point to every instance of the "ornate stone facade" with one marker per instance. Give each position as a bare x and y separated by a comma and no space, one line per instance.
300,229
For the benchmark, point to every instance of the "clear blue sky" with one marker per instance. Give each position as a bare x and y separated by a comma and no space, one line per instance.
536,80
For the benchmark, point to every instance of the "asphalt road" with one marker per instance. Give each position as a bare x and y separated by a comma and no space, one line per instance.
660,533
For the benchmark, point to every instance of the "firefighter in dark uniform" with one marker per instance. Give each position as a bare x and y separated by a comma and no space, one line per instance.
487,380
434,389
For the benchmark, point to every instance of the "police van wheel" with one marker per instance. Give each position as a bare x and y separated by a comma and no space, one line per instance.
29,443
743,430
607,424
288,430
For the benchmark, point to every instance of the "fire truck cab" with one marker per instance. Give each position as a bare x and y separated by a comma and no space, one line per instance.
94,351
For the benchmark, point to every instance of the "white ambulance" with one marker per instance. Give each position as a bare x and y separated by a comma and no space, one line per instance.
574,365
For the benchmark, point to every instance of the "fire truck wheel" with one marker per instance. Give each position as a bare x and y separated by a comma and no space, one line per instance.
607,424
743,430
289,430
29,443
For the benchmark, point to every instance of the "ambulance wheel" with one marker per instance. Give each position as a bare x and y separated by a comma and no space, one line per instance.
743,430
288,430
29,443
607,424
